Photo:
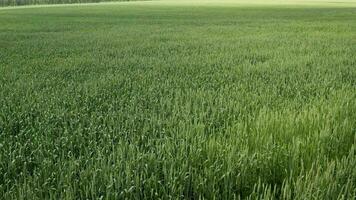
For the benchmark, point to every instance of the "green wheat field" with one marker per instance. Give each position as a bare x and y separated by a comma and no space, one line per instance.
179,100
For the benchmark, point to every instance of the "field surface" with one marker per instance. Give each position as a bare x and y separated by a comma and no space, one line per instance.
179,100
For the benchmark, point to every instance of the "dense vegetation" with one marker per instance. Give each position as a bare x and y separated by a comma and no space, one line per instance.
148,100
37,2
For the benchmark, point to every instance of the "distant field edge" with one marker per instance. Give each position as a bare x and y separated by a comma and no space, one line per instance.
10,4
35,3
